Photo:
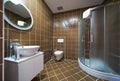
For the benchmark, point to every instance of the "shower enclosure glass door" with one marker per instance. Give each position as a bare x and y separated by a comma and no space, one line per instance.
97,58
81,40
104,54
113,37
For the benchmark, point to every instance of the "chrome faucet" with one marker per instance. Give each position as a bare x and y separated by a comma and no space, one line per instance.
17,56
13,49
10,47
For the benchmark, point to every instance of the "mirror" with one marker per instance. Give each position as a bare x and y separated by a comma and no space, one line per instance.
18,15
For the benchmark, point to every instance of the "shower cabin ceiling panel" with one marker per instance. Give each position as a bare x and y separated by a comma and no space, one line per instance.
57,6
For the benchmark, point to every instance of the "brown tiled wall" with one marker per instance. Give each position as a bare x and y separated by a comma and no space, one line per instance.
41,32
1,39
66,26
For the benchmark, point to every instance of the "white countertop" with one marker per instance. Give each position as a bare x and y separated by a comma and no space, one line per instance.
12,59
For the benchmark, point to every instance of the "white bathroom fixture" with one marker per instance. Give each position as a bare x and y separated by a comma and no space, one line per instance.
87,13
26,51
58,54
24,69
60,40
99,74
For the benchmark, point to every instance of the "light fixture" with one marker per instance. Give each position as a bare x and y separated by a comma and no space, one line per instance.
65,24
87,13
73,20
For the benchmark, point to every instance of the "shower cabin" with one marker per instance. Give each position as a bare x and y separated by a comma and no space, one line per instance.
99,42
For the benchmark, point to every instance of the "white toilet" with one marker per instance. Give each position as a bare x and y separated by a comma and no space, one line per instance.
58,54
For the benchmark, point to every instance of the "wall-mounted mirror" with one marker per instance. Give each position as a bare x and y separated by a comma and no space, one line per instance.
18,15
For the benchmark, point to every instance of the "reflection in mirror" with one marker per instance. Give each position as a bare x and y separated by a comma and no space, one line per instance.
18,15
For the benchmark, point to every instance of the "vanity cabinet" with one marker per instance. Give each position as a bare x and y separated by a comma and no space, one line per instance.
24,69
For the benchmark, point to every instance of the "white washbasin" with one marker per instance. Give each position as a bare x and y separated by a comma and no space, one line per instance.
26,51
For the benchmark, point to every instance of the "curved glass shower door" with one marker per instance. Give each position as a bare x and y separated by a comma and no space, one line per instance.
81,41
113,37
84,41
97,59
104,40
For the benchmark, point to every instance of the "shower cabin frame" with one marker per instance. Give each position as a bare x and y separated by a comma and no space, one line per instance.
81,61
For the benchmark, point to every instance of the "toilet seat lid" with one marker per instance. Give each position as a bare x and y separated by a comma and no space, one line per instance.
58,52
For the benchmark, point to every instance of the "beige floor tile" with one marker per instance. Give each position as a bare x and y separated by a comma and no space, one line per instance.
82,74
74,71
63,69
71,79
82,80
77,77
94,78
64,80
49,69
51,73
60,77
69,68
57,72
55,67
44,76
43,72
66,74
45,80
88,78
54,78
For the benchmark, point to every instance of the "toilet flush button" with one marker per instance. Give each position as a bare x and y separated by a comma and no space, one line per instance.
60,40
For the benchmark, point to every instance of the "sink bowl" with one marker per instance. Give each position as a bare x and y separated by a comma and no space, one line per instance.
26,51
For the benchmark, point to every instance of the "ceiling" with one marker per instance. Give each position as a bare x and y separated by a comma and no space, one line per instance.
67,5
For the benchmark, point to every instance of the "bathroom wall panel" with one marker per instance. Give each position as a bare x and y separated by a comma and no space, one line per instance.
24,35
1,24
32,36
6,47
66,26
14,34
0,72
1,39
1,51
39,34
26,42
1,6
31,43
1,32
